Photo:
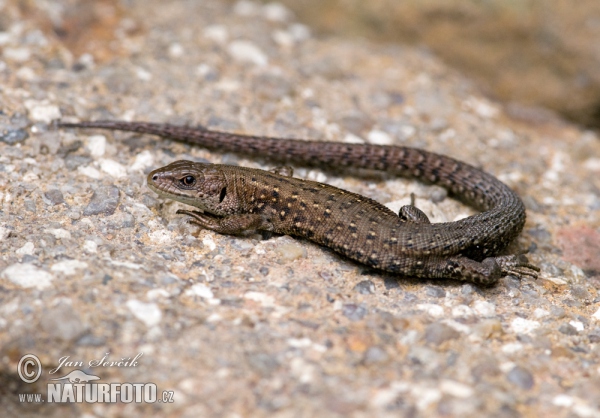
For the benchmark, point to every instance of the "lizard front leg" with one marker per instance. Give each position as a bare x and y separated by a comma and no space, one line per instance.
236,224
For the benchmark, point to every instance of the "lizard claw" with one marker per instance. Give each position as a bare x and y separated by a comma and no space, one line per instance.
517,265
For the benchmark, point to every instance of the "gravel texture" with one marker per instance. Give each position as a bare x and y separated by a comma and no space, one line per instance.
93,264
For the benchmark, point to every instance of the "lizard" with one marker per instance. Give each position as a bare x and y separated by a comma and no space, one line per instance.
237,200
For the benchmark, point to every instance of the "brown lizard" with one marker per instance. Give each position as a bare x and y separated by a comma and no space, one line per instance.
234,200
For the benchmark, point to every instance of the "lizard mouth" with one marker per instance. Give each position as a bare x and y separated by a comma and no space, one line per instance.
164,185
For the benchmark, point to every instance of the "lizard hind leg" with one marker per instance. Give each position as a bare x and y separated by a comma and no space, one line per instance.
490,270
411,213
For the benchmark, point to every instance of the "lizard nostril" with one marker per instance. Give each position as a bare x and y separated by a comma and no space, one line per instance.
155,177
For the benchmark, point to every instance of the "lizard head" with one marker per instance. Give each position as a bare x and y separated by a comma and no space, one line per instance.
198,184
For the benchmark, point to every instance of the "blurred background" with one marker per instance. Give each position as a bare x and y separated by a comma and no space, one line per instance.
536,56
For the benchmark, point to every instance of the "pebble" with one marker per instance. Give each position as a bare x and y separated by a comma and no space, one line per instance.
379,138
201,290
276,12
104,200
484,308
142,161
27,276
12,136
208,242
16,54
247,52
435,292
521,377
54,196
456,389
4,233
262,298
69,267
354,312
90,172
523,326
436,311
487,328
246,8
113,168
149,313
568,329
96,144
438,332
90,246
290,251
42,111
216,33
59,233
366,287
26,249
375,355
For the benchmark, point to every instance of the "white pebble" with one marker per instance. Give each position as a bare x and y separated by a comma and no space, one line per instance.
59,233
160,237
97,145
283,38
209,243
68,267
596,316
143,160
26,74
201,290
5,38
578,325
462,311
27,276
216,33
353,139
276,12
299,31
379,138
3,231
176,50
484,308
90,172
433,310
90,246
148,313
113,168
512,348
42,111
17,54
523,326
563,400
28,249
245,8
246,51
155,294
456,389
262,298
143,74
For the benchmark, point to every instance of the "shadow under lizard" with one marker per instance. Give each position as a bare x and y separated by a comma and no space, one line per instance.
235,200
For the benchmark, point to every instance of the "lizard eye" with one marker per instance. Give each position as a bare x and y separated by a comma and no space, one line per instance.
188,181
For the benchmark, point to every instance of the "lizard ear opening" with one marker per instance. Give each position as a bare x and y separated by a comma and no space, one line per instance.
223,194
